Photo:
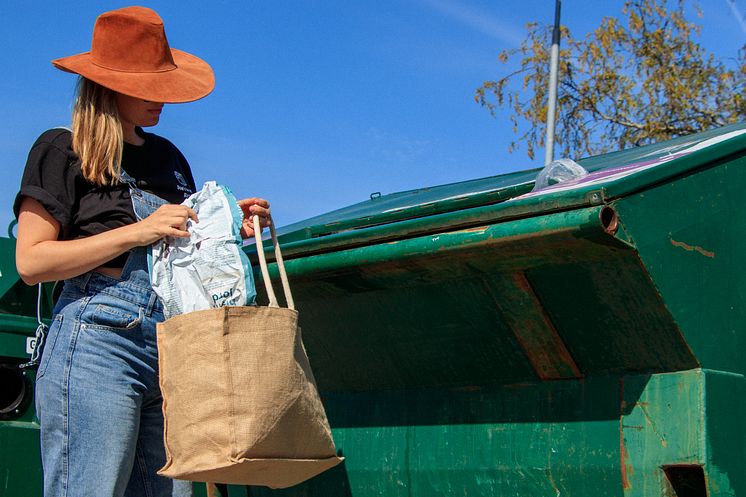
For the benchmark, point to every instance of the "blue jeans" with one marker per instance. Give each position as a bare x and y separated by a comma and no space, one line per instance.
97,393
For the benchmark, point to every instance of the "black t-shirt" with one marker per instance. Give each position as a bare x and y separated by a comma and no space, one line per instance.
53,177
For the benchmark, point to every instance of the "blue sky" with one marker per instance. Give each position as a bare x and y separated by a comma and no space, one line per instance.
317,103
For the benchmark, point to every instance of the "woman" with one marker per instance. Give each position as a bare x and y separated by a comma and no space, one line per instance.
91,200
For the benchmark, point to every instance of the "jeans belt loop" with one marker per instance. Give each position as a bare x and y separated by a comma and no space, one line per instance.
151,303
82,281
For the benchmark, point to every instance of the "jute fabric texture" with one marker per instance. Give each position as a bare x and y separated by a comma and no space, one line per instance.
240,402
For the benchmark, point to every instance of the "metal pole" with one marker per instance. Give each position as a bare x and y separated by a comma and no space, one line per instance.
551,108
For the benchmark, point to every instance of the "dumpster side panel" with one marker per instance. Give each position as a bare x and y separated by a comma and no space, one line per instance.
694,254
726,434
20,460
599,436
663,426
541,438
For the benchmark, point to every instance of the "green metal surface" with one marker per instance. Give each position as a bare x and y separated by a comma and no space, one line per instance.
17,298
19,459
436,310
8,274
586,340
387,212
19,429
604,436
20,467
694,253
478,339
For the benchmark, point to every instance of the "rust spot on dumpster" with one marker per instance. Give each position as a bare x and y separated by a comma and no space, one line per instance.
633,427
609,220
550,475
468,388
623,455
651,423
533,329
478,229
692,248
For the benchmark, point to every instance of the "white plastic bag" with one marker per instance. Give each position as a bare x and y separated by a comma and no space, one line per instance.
209,269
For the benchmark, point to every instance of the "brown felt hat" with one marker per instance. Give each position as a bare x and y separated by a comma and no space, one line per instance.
130,55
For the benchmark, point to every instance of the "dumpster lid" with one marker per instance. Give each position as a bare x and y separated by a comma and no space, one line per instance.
620,172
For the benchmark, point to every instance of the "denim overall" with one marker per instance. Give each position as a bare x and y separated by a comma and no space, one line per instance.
97,393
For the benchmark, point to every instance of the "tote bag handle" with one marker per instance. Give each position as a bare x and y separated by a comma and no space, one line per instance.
280,264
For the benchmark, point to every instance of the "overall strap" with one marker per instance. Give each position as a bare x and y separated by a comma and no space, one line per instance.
127,178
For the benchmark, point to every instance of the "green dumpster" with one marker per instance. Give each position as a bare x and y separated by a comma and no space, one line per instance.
20,465
585,340
481,339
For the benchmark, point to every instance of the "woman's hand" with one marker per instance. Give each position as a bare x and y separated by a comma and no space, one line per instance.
253,207
41,256
167,220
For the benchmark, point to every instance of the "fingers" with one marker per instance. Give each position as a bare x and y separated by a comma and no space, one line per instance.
255,206
183,213
170,220
192,215
178,215
264,221
247,202
179,233
247,228
263,213
178,210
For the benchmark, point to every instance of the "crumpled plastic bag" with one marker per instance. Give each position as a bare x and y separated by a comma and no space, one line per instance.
209,269
558,171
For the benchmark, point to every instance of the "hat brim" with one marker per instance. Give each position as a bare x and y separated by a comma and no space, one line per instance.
191,80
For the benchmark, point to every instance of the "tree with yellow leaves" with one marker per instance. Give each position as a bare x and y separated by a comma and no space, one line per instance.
630,82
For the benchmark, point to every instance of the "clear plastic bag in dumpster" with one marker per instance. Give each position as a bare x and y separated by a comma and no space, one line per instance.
559,171
209,269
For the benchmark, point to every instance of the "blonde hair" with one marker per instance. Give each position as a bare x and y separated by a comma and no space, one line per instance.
97,133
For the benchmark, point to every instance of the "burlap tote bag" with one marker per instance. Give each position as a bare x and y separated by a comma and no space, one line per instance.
239,399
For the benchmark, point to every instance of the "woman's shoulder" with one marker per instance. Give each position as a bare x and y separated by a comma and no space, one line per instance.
59,138
52,154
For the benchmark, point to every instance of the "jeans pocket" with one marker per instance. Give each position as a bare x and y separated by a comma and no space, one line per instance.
48,345
110,316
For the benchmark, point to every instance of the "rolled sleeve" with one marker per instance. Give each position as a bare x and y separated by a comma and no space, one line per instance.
49,179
